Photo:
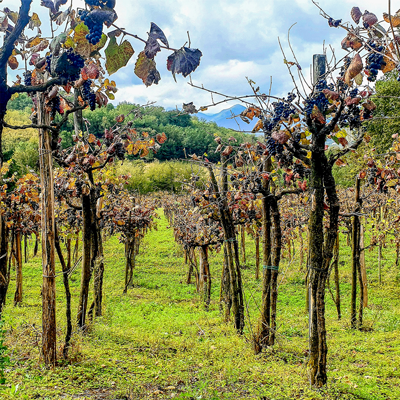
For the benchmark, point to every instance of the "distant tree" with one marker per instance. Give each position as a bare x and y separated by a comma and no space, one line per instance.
386,122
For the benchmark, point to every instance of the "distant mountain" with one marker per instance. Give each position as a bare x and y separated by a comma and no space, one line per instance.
225,118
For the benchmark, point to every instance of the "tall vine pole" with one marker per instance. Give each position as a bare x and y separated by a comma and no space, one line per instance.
49,340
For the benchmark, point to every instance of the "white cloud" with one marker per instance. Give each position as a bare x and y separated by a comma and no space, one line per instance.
238,39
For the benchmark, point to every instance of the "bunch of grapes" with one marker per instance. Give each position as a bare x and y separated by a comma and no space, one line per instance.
95,27
78,187
48,62
375,61
284,158
88,94
55,106
120,150
318,98
350,117
282,110
28,78
75,60
334,23
93,3
298,169
353,93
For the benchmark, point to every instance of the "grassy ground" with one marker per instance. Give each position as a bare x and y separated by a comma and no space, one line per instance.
158,342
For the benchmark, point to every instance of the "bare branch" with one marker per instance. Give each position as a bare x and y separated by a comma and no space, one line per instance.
36,88
23,20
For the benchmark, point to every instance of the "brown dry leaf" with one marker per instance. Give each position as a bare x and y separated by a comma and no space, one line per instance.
354,69
144,152
356,14
370,18
340,163
258,126
395,19
390,64
351,41
330,94
13,62
281,137
317,115
369,105
251,112
228,150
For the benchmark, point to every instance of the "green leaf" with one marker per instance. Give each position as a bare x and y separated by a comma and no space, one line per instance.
117,56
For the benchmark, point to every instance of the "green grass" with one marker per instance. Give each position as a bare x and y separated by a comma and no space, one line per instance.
158,342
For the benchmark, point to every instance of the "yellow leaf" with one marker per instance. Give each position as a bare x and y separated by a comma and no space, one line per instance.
308,154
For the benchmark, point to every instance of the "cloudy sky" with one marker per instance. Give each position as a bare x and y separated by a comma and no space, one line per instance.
237,38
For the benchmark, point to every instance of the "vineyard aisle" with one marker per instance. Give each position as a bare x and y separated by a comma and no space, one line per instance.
158,342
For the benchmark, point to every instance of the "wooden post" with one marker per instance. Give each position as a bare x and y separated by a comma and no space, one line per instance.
355,266
49,345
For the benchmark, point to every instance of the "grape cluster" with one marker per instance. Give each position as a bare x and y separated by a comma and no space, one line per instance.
78,187
48,62
28,78
350,117
353,93
299,170
374,61
95,27
93,3
334,23
75,59
284,158
282,110
273,147
318,98
120,150
55,106
88,94
371,176
251,183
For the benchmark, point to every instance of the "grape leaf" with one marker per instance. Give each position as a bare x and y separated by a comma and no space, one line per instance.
356,14
33,42
40,47
145,69
12,62
189,108
59,3
55,44
34,22
63,16
3,23
161,138
49,4
117,56
82,46
12,15
90,71
183,61
152,46
354,69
